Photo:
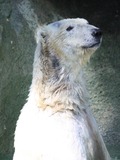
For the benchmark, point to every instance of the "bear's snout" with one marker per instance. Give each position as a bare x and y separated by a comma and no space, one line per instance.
97,33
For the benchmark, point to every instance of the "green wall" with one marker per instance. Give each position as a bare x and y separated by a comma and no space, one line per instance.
18,21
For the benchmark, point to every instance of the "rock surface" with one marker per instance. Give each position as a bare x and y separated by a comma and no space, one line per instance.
18,21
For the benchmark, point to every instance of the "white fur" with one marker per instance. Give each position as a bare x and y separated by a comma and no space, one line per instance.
43,136
55,123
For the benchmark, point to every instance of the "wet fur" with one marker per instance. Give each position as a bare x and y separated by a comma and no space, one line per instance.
57,102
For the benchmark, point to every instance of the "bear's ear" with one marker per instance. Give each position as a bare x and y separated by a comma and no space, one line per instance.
54,25
39,34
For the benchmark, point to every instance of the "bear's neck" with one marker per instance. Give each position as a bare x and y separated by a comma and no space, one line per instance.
56,84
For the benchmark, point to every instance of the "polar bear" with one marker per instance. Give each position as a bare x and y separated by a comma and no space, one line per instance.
56,122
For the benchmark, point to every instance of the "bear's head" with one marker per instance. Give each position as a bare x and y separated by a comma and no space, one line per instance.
72,39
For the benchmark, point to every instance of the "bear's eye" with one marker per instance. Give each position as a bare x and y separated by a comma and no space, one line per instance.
69,28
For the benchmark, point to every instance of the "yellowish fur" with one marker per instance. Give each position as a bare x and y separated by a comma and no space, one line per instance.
56,123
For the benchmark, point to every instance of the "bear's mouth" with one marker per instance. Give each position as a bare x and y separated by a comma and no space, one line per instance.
93,45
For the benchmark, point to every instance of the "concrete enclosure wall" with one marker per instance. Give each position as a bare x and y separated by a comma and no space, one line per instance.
18,21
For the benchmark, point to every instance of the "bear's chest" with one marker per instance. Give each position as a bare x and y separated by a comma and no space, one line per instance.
51,136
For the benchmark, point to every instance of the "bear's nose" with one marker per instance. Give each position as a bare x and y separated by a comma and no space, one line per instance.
97,33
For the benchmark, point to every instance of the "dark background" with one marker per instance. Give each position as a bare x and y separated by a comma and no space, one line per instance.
18,21
104,13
